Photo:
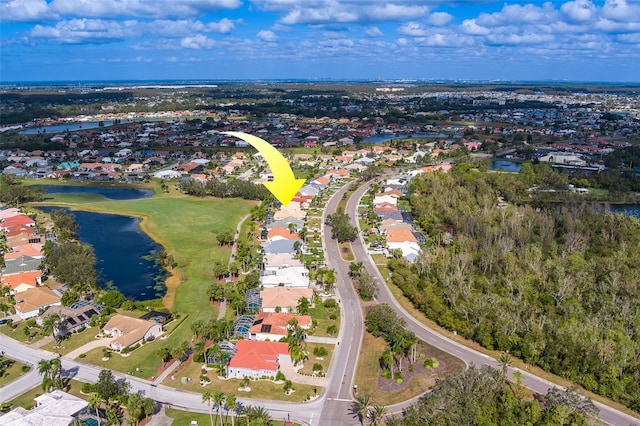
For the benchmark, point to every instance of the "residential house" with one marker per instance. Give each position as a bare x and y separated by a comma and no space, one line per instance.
55,408
31,302
129,331
286,299
73,317
21,281
275,326
257,359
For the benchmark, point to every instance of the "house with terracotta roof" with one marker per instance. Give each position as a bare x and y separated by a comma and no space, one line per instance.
284,298
30,303
31,250
128,331
274,326
281,233
19,220
257,359
405,241
22,281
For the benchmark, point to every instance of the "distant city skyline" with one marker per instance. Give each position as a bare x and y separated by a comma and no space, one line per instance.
91,40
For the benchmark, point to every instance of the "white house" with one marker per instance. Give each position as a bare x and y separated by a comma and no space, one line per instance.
128,331
255,359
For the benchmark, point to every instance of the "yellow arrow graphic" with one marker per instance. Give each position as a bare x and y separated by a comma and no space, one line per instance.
284,185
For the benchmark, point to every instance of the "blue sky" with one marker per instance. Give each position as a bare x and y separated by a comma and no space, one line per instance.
577,40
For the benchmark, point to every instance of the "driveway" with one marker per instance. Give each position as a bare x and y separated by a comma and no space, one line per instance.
88,346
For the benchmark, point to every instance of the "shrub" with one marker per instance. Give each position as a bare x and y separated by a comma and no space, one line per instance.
320,351
25,368
332,330
87,387
82,356
317,367
280,376
333,317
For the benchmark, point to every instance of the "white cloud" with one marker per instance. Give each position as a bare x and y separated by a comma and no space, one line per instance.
197,42
170,28
469,26
393,12
513,13
621,10
86,30
343,11
373,32
515,39
223,26
439,18
579,10
25,10
34,10
413,29
633,38
402,41
266,35
318,16
611,26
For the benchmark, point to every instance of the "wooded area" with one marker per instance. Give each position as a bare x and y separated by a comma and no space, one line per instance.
556,285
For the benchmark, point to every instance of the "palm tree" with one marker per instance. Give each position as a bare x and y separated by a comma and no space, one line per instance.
387,360
44,369
95,401
134,406
56,373
355,269
207,397
231,404
360,407
50,325
504,361
257,415
377,413
218,399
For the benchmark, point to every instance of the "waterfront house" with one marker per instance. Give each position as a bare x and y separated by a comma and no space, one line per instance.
30,303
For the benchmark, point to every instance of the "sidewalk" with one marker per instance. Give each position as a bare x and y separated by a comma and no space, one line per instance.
320,339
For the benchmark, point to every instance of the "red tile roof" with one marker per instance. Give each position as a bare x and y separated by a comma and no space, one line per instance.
257,355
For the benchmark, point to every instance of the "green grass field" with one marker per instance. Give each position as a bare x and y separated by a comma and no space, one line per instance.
12,373
184,418
186,227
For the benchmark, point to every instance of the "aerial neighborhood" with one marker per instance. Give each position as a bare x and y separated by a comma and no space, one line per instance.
413,200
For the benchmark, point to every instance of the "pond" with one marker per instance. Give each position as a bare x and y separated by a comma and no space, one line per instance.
506,166
126,256
385,138
111,193
73,126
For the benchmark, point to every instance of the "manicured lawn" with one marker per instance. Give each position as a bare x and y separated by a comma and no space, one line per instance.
73,341
12,373
184,418
19,334
308,364
321,315
260,389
